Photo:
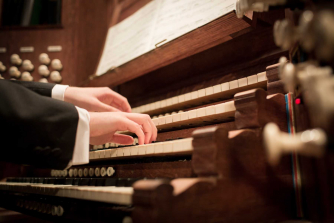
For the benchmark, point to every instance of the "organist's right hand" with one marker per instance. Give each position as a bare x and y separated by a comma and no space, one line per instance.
104,125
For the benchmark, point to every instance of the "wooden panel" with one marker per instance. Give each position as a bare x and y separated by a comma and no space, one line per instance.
214,33
223,63
84,27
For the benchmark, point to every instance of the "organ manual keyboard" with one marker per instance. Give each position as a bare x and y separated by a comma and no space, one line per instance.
211,95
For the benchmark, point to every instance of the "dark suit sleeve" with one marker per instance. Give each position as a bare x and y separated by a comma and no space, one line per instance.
35,130
44,89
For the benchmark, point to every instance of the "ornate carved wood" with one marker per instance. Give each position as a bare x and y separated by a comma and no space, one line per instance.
254,109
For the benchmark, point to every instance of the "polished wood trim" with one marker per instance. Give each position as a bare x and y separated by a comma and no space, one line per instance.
201,39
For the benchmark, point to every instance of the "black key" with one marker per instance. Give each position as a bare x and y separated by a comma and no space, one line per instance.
121,182
100,182
110,182
75,181
84,181
51,180
39,180
68,181
92,182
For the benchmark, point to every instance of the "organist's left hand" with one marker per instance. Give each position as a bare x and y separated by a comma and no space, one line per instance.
99,99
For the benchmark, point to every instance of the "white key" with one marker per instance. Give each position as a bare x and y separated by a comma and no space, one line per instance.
163,103
192,114
225,86
229,106
210,110
167,147
126,151
169,102
220,108
217,89
176,117
119,152
157,105
169,119
162,120
181,98
155,121
261,77
142,150
208,91
150,149
201,112
252,79
134,150
201,93
242,82
194,95
175,100
184,116
187,97
233,84
158,148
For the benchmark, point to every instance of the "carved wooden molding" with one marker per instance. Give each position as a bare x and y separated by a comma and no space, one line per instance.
254,109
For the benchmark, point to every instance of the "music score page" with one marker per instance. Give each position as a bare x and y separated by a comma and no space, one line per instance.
158,22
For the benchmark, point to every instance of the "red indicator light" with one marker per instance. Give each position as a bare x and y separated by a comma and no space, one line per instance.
297,101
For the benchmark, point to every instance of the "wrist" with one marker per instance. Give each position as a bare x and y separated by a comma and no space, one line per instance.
68,94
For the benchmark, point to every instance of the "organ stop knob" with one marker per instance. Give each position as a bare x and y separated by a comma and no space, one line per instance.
2,67
27,65
309,143
44,59
43,80
56,64
16,60
56,77
14,72
43,71
26,76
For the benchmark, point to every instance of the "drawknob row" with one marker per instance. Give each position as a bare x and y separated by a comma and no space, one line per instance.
28,67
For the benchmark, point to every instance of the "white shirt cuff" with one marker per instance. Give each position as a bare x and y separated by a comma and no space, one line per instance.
58,91
81,147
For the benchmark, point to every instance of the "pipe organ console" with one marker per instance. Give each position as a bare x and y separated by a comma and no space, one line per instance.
245,127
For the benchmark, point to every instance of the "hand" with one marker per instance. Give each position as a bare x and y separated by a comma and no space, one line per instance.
103,126
100,99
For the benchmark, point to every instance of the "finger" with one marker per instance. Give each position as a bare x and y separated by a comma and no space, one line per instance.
122,139
143,120
102,107
99,140
154,131
116,138
120,102
133,127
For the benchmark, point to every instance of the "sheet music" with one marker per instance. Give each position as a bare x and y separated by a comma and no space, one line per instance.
128,39
178,17
157,21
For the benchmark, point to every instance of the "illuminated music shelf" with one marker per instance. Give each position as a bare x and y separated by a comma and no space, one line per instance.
214,33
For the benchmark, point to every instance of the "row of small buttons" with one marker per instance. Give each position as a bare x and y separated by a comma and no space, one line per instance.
55,210
84,172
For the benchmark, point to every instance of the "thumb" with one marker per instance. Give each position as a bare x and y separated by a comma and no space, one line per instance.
122,139
116,138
